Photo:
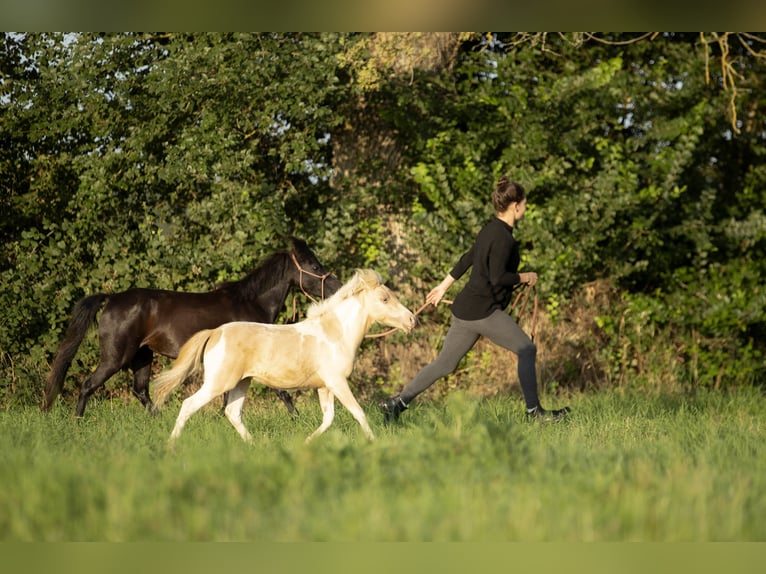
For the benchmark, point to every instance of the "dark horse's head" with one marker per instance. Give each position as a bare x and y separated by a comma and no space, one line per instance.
312,275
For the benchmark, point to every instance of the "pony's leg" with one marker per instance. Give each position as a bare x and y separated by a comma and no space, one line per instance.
327,402
233,409
142,372
117,350
341,390
103,372
225,402
285,397
203,396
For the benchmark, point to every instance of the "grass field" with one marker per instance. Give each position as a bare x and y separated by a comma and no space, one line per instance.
625,467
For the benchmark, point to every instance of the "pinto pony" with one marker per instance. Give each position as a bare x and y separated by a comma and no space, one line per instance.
318,353
138,323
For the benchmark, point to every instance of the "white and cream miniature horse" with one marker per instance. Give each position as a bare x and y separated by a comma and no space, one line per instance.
318,352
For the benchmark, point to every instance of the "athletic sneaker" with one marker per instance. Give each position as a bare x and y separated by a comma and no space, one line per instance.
554,415
392,407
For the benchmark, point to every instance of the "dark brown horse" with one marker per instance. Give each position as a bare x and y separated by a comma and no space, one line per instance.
138,323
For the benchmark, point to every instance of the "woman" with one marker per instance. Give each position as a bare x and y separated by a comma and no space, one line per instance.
479,309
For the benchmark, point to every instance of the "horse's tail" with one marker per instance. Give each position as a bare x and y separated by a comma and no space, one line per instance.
83,316
189,362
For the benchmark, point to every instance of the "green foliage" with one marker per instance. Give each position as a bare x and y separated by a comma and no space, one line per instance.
621,150
180,160
151,160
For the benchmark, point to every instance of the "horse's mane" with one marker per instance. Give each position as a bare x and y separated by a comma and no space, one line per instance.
260,280
363,280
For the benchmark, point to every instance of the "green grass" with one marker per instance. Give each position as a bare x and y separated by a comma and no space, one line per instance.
625,467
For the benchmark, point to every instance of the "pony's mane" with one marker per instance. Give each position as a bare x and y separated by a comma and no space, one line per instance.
363,280
259,280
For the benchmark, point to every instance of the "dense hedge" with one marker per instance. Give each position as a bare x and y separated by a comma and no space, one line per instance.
179,161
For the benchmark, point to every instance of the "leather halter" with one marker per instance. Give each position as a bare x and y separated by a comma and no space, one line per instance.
301,271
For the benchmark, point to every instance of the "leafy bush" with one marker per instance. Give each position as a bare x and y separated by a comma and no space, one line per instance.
178,161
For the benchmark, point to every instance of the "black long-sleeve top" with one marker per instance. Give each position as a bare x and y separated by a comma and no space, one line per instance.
495,259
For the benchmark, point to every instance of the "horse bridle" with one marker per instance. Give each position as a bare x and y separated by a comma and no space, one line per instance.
301,271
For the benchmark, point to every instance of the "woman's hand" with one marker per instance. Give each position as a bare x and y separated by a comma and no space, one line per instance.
528,278
436,294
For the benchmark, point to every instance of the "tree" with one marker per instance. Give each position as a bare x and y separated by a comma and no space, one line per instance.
175,161
178,160
621,145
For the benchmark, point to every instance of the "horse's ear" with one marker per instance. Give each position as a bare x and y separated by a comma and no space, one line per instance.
298,244
367,279
375,278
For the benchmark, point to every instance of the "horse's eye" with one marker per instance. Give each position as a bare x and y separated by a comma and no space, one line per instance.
385,299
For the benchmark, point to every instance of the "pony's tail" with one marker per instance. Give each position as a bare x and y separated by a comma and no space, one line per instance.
189,361
83,316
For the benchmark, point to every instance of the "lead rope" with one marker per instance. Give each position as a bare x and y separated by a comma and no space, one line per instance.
522,309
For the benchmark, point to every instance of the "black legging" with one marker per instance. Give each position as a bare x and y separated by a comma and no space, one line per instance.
501,329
